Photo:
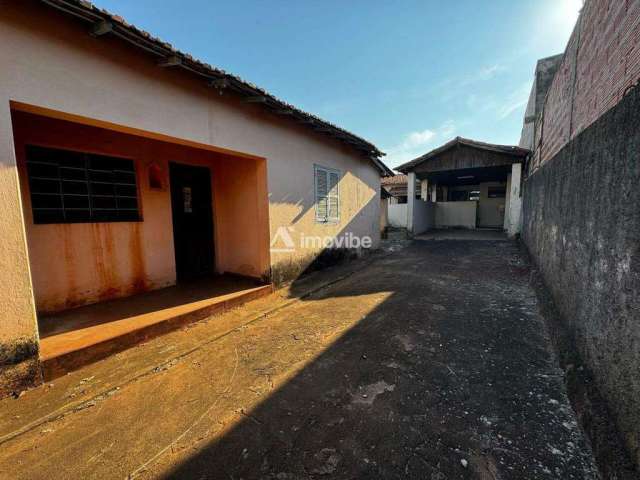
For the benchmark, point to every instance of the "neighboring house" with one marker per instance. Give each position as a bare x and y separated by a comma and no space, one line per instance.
396,185
465,183
545,72
581,221
128,166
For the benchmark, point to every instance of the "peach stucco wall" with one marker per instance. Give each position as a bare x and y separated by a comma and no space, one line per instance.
50,62
79,263
17,309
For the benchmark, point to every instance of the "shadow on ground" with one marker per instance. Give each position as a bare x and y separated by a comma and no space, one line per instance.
452,376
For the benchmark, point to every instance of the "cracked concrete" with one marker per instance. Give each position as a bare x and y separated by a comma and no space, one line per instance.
365,378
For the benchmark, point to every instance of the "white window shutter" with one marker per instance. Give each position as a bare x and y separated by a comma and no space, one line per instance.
326,192
321,187
334,201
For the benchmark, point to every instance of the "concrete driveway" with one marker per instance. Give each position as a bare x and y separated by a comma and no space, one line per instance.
431,362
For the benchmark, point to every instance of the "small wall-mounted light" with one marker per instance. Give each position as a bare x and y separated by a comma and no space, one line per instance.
156,176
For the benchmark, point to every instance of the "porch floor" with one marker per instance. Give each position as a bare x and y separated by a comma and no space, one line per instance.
73,338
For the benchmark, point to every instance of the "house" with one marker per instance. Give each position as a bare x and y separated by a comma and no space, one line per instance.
465,183
396,185
396,203
545,72
129,167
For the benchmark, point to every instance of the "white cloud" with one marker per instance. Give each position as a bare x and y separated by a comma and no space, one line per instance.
450,88
485,73
447,129
515,100
417,143
499,108
417,139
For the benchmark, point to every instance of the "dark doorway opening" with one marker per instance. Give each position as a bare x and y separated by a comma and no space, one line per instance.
192,220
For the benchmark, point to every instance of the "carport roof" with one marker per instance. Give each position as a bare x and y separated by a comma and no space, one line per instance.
103,23
490,147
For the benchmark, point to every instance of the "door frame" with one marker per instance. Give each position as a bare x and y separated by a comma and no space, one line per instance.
173,166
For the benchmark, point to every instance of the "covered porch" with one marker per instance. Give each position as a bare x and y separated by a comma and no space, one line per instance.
465,184
131,234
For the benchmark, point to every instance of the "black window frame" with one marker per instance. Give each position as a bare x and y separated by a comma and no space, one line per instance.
70,186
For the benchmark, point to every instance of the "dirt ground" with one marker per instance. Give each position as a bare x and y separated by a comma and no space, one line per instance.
429,362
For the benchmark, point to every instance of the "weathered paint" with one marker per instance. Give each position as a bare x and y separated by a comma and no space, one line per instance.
57,69
98,261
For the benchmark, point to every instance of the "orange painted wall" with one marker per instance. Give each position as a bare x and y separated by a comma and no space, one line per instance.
75,264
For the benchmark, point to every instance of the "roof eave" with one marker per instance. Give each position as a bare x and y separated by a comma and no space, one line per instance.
105,23
502,149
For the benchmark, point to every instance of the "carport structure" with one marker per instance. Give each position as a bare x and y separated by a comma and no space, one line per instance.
467,184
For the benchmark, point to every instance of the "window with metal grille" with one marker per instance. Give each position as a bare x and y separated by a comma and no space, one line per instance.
327,194
76,187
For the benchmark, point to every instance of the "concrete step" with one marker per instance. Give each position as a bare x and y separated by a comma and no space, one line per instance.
78,337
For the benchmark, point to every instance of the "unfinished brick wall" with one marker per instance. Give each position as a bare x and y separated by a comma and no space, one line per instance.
581,221
600,65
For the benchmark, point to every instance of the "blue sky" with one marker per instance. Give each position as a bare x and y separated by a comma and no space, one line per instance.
407,75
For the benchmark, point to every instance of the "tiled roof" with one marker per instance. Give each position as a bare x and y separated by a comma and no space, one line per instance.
105,23
507,149
395,180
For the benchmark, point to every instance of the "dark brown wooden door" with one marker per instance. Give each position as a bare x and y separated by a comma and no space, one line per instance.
192,220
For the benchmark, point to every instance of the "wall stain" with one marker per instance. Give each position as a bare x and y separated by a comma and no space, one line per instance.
104,259
72,297
136,260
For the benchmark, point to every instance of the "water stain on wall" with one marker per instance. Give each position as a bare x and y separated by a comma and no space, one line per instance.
136,260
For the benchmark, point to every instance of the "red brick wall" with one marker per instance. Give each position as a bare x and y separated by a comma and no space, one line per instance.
601,63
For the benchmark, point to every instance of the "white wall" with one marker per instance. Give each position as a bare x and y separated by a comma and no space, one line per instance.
398,215
514,218
456,214
491,211
423,216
